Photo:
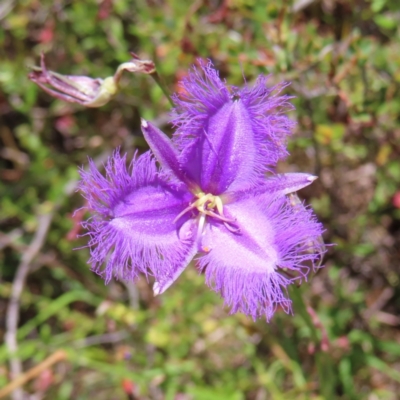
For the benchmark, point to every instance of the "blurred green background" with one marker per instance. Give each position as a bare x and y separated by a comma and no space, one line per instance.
343,59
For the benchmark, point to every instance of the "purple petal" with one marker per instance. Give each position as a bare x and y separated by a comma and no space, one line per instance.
252,269
229,137
133,230
267,110
224,150
275,185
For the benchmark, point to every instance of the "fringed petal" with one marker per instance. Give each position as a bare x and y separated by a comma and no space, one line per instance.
267,110
133,229
202,94
276,245
228,137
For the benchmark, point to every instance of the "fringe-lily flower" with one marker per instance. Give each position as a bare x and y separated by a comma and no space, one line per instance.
208,198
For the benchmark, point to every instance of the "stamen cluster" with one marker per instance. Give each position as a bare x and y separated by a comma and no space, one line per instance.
208,204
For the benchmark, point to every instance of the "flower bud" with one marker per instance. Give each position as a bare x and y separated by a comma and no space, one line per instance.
83,90
89,92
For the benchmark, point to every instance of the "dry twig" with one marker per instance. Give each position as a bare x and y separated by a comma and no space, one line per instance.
12,316
59,355
13,309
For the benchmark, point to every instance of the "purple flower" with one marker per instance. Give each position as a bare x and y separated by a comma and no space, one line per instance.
209,197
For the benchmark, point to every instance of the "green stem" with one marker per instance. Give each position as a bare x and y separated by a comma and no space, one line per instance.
160,82
323,360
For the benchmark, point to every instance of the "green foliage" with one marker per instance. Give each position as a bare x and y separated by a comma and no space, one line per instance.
343,59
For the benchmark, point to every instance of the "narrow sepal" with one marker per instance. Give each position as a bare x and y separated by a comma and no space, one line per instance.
163,150
274,185
161,286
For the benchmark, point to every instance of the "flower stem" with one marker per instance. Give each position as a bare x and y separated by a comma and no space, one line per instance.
160,82
323,360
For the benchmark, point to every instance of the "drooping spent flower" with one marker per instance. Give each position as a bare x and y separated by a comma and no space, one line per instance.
89,92
209,197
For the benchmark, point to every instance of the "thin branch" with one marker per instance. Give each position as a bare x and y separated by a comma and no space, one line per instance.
13,386
113,337
133,294
12,315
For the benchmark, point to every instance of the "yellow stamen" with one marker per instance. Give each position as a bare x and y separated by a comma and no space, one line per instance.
212,206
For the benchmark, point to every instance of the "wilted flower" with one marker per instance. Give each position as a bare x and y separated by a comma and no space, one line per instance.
136,64
89,92
209,197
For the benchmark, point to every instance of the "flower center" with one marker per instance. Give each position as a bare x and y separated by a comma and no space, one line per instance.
206,203
212,206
